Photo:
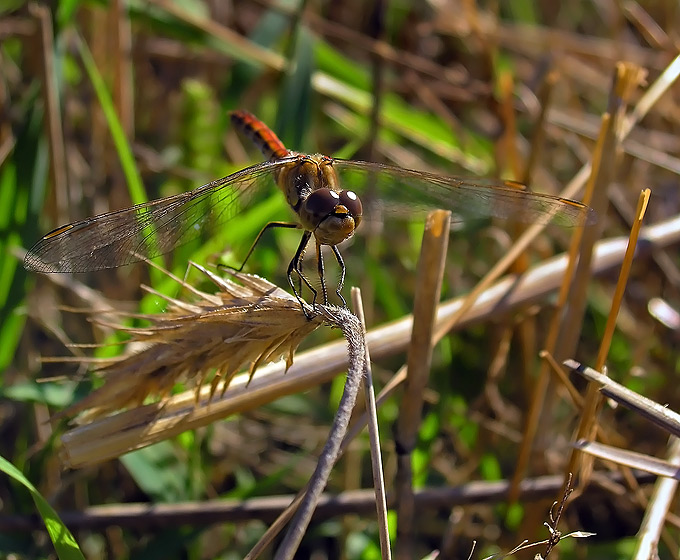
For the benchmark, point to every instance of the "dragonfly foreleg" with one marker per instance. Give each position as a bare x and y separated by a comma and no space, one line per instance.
289,225
295,266
304,278
341,264
322,277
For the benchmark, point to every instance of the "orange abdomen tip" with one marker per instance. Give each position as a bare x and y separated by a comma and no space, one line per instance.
260,134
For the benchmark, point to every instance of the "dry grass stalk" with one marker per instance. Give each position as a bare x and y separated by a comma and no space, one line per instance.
214,335
430,275
589,416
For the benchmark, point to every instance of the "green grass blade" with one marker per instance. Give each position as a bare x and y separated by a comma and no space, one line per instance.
294,112
127,160
64,543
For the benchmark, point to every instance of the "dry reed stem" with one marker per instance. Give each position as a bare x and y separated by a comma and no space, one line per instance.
660,504
123,92
202,513
356,354
374,439
629,459
664,259
153,422
506,153
624,80
544,98
627,77
428,289
593,401
527,328
660,414
59,194
538,398
576,399
301,509
287,511
625,459
658,510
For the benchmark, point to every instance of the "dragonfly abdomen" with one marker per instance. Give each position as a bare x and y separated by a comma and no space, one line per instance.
260,134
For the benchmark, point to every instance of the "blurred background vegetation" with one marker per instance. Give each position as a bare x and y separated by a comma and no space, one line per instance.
108,104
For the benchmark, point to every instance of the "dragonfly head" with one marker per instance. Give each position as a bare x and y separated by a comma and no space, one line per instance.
333,215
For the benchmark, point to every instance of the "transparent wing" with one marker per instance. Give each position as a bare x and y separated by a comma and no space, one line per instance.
151,229
407,192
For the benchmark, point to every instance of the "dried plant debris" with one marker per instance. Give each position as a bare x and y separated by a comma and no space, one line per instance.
212,337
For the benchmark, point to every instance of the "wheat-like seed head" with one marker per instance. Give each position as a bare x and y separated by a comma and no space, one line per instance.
214,335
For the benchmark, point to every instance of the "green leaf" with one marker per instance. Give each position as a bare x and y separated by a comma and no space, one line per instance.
64,543
65,12
59,395
159,472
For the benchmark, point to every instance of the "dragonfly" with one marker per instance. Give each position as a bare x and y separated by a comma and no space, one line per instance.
322,192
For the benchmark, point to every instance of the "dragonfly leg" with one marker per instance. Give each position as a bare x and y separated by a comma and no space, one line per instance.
289,225
322,278
295,266
341,283
304,279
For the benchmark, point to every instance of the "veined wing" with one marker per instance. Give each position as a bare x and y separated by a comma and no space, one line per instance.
150,229
406,191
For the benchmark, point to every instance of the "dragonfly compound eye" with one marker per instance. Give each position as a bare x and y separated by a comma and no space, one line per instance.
351,201
322,202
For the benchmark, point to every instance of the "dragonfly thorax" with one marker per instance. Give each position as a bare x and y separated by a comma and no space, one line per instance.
313,191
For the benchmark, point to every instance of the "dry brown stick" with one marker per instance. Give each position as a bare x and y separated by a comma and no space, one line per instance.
649,28
506,154
538,397
660,505
544,96
288,511
430,274
659,414
374,438
123,95
567,331
625,78
208,512
665,260
593,399
300,511
53,123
